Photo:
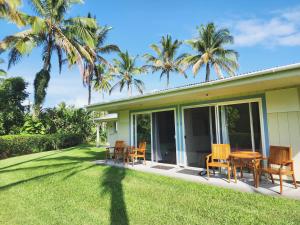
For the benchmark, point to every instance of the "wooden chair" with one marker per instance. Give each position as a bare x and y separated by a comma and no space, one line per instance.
115,151
139,152
219,158
280,163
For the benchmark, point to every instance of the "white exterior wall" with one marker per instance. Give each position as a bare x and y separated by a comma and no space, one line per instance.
283,109
122,131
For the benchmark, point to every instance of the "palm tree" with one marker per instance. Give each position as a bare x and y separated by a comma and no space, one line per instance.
125,70
2,72
8,10
102,83
166,60
210,51
90,69
49,30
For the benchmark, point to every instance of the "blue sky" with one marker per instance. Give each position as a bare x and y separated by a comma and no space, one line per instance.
267,34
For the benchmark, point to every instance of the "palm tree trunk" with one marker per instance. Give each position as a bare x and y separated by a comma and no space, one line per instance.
89,92
207,72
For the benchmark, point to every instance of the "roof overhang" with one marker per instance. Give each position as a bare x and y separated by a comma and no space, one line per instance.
250,83
107,118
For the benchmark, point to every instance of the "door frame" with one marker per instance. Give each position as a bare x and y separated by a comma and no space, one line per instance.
216,105
133,128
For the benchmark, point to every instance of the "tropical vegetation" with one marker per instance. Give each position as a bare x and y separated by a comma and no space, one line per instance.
12,113
211,52
94,72
166,60
126,71
54,34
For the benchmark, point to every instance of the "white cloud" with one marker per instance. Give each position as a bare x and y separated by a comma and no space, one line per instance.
282,28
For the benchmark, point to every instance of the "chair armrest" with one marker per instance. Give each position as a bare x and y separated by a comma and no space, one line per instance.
287,162
207,157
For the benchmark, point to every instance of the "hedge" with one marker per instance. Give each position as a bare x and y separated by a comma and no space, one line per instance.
13,145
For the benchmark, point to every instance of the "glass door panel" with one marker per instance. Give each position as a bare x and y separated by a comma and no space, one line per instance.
143,132
235,127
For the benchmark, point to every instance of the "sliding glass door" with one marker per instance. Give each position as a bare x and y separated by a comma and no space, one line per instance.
235,123
239,126
157,129
143,132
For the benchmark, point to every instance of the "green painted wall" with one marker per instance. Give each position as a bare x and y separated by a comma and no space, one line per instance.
283,107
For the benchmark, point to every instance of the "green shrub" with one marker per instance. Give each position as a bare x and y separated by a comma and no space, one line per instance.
13,145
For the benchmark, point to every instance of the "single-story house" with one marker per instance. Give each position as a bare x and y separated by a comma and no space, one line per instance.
250,111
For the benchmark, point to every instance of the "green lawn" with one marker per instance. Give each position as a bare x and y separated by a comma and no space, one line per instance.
63,187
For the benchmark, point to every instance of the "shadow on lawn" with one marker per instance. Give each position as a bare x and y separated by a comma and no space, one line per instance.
36,178
112,184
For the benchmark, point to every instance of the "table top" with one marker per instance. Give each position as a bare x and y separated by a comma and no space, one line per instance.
246,155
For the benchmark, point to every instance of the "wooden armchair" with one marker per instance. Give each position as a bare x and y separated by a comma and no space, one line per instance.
115,151
280,163
136,153
219,158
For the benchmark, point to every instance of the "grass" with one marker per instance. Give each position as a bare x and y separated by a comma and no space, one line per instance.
64,187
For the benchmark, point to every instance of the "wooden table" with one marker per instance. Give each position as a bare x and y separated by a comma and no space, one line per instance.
252,156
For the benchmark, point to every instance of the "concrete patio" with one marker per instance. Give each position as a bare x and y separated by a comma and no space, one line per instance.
192,174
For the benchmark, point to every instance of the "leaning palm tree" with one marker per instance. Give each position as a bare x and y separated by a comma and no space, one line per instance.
8,10
103,79
210,51
49,30
90,69
125,70
166,60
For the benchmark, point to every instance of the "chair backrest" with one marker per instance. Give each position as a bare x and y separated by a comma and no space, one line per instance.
119,145
279,154
220,151
142,146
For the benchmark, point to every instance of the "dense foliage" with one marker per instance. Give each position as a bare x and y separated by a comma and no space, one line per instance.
12,94
12,145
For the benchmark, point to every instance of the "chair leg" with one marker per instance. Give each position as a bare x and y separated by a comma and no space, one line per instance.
242,175
228,172
234,173
271,175
207,172
294,180
280,178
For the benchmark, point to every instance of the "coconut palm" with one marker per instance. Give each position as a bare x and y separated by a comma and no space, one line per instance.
125,70
8,10
49,30
210,51
103,79
91,69
166,60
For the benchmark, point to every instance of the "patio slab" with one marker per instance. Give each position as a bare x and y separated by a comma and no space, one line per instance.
192,174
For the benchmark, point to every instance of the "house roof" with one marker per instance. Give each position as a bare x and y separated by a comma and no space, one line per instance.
107,117
254,77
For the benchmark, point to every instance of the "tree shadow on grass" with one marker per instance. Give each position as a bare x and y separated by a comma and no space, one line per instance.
36,178
90,156
78,171
112,185
30,160
37,167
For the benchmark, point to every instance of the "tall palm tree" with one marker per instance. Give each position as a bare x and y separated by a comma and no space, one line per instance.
49,30
8,10
90,69
166,60
103,79
125,70
210,51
